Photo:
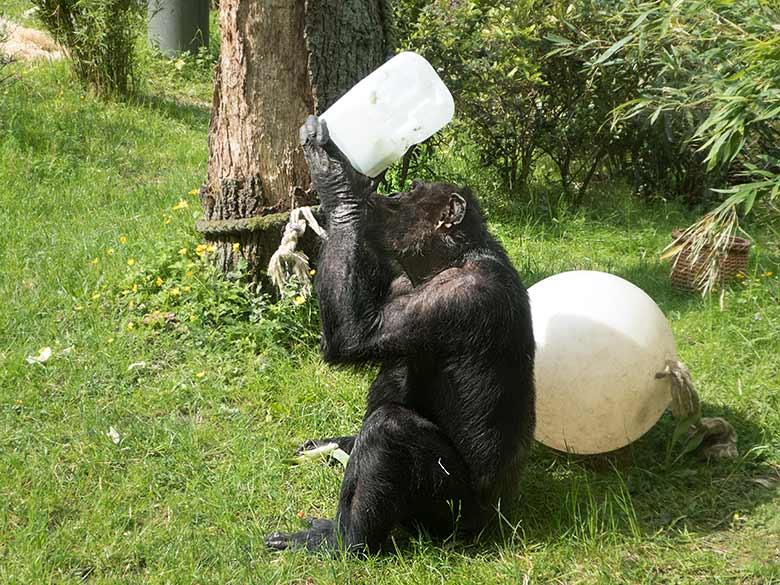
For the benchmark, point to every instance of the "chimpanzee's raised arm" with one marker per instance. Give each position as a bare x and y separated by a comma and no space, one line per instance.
353,280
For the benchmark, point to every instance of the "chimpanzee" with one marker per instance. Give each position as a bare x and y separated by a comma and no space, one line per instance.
415,283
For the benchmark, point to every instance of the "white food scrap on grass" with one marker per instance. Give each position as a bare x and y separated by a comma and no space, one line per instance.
43,356
113,434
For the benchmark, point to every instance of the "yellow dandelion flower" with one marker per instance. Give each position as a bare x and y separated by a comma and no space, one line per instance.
312,272
236,246
769,273
299,300
159,281
183,252
110,251
131,262
193,318
94,261
78,307
167,221
135,287
122,239
130,325
95,296
186,288
182,204
125,292
200,374
131,305
175,292
193,191
210,248
188,273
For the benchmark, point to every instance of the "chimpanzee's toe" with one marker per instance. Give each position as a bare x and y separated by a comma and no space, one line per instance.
310,444
278,541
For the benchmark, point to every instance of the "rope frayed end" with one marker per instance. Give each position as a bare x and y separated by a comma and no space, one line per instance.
710,437
288,262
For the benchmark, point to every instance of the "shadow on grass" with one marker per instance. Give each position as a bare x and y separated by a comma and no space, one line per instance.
632,493
194,115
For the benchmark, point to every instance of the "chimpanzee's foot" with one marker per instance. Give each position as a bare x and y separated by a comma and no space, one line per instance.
321,535
344,443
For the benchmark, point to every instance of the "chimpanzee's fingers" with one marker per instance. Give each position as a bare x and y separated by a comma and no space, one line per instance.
309,130
323,136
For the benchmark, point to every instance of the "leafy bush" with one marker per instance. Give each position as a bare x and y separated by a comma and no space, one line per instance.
711,83
517,96
100,37
487,59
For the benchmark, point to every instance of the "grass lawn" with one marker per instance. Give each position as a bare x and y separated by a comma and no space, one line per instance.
151,446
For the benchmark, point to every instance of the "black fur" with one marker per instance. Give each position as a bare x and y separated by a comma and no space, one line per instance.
414,282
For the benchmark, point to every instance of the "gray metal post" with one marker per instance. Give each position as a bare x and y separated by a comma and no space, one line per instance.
178,25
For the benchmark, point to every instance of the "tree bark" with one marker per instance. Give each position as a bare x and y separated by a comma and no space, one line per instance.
280,60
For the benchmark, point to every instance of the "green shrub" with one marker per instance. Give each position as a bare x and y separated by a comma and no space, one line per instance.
517,97
100,38
711,84
177,290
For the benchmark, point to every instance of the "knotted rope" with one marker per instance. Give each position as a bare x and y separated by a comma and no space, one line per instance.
216,227
712,437
287,262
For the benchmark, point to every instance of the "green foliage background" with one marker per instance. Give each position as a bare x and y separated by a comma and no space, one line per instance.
680,98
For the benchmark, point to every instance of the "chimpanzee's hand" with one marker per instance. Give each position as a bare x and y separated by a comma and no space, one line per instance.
336,182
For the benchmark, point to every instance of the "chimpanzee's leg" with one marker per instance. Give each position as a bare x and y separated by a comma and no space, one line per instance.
403,471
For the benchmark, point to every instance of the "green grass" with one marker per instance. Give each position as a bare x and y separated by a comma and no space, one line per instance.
198,475
15,10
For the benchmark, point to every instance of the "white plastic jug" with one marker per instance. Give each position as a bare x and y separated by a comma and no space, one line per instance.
401,103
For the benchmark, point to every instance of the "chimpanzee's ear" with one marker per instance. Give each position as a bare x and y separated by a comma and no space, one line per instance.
456,209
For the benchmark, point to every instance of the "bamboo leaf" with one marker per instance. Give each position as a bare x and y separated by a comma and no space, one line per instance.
614,49
672,252
655,115
557,39
640,19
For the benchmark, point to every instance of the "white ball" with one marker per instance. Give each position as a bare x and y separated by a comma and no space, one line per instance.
599,342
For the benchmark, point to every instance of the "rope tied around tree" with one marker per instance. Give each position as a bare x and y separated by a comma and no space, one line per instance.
712,437
288,262
215,227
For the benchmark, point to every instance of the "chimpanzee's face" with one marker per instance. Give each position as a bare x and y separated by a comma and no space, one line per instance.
407,221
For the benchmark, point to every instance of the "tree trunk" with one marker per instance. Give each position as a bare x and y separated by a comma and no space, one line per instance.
280,60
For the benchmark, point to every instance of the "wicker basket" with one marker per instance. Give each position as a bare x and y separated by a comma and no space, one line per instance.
687,274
